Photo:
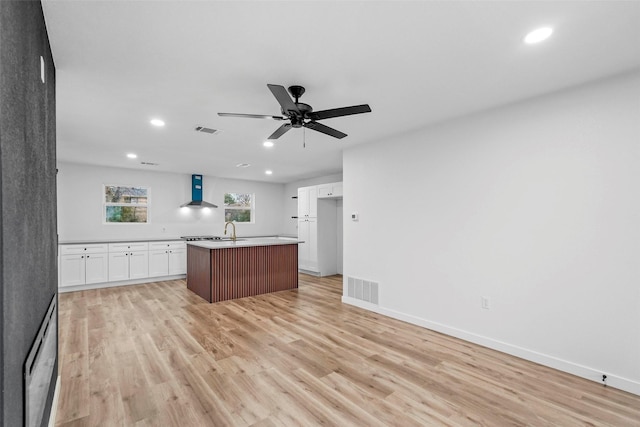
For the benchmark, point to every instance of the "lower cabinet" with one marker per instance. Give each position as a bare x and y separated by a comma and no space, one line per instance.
128,261
112,262
308,251
167,258
83,264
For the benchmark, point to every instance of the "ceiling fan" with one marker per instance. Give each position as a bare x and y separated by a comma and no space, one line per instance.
300,114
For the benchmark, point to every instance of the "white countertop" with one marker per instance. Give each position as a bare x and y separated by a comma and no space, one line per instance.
240,243
158,239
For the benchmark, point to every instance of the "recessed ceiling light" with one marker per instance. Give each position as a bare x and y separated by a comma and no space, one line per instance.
157,122
132,155
243,165
268,172
268,144
536,36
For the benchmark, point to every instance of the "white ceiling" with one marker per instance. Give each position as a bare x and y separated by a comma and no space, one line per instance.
121,63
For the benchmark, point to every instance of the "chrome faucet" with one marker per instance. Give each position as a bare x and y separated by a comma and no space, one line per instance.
233,236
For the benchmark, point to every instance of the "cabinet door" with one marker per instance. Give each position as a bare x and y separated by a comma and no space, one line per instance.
303,248
96,268
330,191
138,265
307,202
308,251
177,261
313,244
158,263
337,189
303,202
313,202
72,270
325,190
118,266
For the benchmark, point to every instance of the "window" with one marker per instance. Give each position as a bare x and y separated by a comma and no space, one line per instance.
238,207
125,204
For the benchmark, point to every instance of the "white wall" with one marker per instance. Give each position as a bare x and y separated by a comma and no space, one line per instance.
535,206
80,204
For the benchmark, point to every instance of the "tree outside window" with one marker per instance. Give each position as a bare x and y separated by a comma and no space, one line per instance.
125,204
239,207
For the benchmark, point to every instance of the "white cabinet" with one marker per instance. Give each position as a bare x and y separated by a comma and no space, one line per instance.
308,250
177,261
307,202
83,264
317,227
167,258
330,191
128,261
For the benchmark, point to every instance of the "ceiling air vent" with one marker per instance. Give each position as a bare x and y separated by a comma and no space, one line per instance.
149,164
206,130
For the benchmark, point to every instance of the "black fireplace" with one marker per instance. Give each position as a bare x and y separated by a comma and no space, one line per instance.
38,368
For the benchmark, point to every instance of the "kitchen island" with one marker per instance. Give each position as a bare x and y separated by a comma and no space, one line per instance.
223,270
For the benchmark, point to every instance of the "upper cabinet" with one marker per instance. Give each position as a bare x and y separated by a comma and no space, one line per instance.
307,202
330,191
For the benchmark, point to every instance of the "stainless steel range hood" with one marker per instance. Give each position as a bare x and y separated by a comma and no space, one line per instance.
196,195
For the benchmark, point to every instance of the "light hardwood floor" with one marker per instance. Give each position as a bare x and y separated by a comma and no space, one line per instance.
158,355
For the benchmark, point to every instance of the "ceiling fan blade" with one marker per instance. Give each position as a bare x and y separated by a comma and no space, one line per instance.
280,131
325,129
283,98
339,112
251,116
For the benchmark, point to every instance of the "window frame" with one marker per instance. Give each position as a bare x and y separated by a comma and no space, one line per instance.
106,204
251,208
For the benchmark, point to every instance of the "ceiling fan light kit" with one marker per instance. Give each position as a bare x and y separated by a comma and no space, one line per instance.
300,114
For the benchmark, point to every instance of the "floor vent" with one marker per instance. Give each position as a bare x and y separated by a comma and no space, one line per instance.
364,290
206,130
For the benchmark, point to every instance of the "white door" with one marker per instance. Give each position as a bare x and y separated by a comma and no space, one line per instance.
313,244
313,202
138,265
72,270
303,203
303,248
177,261
96,268
118,266
159,263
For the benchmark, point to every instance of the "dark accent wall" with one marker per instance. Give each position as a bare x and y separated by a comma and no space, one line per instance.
28,236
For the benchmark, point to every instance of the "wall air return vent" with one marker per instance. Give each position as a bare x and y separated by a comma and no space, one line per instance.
207,130
363,290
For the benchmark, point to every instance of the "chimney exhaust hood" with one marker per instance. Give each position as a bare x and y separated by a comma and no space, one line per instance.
196,195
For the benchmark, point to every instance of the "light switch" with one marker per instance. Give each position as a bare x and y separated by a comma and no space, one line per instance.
354,216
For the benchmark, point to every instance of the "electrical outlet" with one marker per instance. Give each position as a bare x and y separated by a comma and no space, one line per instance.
485,303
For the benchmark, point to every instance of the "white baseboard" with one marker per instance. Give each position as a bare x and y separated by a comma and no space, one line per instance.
523,353
120,283
54,404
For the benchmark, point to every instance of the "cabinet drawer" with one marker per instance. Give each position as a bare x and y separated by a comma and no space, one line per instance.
83,249
128,247
175,244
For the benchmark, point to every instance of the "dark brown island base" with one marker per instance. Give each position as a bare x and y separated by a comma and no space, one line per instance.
223,270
